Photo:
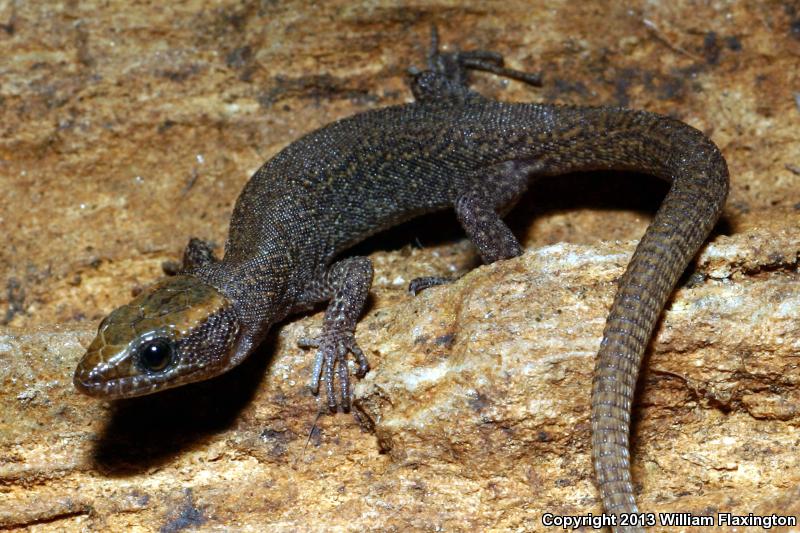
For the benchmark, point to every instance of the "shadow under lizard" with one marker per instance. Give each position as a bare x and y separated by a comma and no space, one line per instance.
450,149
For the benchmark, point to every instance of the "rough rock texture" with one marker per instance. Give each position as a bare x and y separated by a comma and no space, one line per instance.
126,128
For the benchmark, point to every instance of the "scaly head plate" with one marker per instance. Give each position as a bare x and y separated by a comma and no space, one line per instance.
176,331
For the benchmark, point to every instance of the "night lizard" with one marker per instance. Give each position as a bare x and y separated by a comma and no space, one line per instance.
451,148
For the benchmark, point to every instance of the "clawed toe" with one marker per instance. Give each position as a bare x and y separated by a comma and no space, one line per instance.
308,342
331,361
418,285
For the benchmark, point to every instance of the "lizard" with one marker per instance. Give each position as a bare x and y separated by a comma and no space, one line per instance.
451,148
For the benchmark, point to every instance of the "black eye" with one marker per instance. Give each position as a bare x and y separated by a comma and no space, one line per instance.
156,355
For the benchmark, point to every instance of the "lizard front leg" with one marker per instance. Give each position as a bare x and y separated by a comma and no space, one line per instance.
197,254
345,286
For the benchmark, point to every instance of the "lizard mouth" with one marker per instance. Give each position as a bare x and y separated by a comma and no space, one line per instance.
107,389
87,386
85,380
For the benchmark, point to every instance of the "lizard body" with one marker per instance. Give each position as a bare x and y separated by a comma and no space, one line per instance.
450,148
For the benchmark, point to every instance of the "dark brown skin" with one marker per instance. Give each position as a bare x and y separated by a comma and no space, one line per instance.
451,148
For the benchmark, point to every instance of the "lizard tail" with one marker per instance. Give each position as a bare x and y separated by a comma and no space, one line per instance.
699,185
689,211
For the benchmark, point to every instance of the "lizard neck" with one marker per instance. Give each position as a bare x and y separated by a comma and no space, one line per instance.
262,289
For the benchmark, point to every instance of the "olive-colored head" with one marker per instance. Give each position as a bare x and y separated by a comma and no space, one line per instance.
177,331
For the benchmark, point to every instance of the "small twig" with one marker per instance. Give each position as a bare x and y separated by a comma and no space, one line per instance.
192,180
794,169
311,433
651,26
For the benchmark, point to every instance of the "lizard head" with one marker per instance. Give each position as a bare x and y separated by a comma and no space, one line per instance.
176,331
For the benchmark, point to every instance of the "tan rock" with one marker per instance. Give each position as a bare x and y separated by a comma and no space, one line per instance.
127,128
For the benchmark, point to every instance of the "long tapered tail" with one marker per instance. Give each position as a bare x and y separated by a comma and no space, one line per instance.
699,185
680,227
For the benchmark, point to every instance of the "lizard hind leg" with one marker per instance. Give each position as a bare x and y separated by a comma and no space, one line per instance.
447,72
479,209
487,231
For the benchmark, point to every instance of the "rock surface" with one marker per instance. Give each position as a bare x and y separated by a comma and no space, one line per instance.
125,129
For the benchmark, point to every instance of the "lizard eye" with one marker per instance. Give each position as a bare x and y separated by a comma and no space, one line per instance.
156,355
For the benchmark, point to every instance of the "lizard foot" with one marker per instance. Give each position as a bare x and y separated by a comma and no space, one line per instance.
454,65
332,349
